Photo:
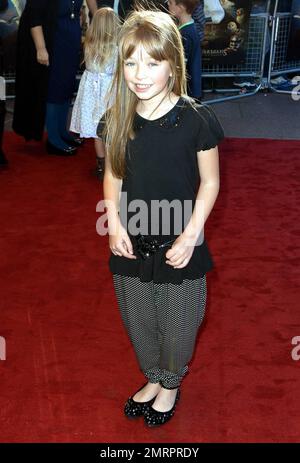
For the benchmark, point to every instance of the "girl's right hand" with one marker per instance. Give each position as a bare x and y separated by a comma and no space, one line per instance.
120,244
42,56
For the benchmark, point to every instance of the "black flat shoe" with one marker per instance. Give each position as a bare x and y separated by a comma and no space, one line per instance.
155,418
3,160
76,142
135,409
51,149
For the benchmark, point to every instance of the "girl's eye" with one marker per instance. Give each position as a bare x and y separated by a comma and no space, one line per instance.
153,64
129,63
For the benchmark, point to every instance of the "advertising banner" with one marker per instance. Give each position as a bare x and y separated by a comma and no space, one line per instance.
226,31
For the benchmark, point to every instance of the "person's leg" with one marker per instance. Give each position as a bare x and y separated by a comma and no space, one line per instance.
100,158
181,310
138,312
62,122
99,148
52,124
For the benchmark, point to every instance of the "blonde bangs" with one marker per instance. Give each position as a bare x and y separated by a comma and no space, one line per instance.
150,41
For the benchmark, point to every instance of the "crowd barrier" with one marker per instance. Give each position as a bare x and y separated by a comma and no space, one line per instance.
278,65
265,58
253,66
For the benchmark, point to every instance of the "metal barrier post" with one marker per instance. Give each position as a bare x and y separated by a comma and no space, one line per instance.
254,62
279,45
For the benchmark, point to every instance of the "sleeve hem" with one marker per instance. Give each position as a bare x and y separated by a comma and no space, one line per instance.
210,145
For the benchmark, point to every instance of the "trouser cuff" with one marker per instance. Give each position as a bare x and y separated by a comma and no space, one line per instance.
171,380
167,379
154,375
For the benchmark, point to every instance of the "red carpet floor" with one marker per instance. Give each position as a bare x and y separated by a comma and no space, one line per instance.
70,367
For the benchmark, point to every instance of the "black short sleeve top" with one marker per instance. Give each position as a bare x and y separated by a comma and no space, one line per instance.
161,164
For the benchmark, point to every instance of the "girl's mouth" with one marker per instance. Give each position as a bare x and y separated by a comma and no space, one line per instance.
142,87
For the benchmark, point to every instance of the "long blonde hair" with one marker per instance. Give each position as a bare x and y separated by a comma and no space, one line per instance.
157,33
101,37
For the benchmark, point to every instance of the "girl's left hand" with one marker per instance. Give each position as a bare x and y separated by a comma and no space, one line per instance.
181,251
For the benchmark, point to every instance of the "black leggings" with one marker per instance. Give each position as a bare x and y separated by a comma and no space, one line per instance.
162,320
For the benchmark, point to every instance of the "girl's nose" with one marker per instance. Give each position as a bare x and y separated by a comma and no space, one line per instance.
140,71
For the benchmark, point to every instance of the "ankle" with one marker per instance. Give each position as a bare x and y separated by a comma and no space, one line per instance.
154,386
165,400
168,392
169,388
148,392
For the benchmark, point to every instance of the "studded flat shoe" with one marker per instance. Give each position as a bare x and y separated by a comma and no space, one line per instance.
155,418
135,409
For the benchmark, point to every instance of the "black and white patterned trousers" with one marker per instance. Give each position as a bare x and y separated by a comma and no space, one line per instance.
162,320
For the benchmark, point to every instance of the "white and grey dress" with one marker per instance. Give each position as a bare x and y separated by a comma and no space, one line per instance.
92,98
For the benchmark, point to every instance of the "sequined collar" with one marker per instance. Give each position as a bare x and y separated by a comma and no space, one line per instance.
168,121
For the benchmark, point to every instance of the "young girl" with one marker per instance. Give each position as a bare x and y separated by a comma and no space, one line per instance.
159,144
92,100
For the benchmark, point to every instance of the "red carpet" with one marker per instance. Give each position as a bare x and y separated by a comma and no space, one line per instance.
70,367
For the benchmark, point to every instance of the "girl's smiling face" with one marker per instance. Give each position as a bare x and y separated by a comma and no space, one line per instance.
145,76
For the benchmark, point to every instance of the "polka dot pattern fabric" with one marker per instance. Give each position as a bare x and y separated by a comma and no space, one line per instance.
162,321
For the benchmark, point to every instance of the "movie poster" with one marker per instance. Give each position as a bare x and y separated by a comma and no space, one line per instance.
10,12
225,40
293,51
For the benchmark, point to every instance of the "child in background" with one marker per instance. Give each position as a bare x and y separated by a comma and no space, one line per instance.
182,10
199,18
100,52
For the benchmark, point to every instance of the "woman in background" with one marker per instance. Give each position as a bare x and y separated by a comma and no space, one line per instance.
48,50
